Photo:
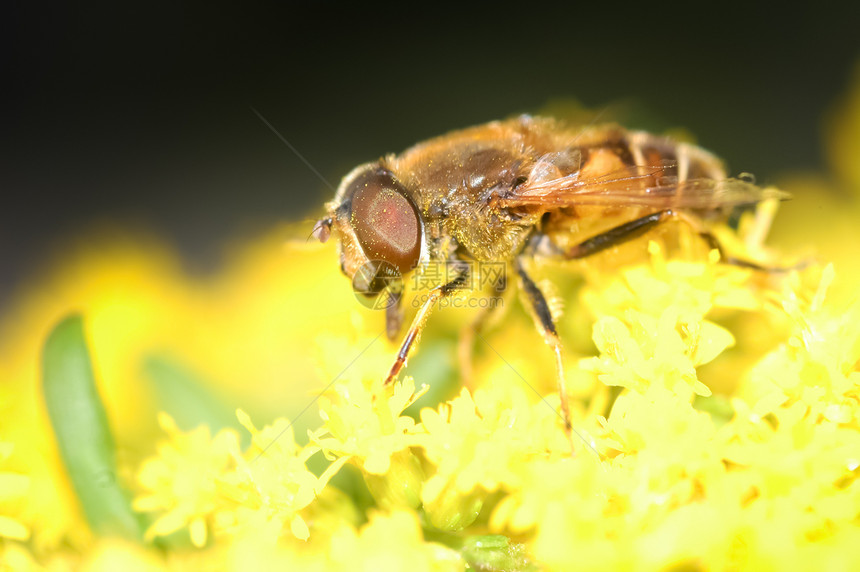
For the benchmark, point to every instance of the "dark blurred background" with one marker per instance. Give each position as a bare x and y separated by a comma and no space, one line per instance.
139,113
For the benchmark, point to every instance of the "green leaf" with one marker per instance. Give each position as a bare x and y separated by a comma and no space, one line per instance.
184,396
82,432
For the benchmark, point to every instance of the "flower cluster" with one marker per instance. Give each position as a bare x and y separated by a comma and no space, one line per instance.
716,413
769,479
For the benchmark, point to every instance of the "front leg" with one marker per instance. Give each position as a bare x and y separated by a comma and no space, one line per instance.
420,319
393,317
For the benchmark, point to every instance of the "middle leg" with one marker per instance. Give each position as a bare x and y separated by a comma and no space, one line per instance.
539,308
486,316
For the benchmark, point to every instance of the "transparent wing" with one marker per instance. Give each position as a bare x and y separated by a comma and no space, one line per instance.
654,186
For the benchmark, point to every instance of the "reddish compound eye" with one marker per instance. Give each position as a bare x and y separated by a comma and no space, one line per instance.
385,221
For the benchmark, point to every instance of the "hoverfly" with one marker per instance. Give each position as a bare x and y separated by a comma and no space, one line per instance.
513,190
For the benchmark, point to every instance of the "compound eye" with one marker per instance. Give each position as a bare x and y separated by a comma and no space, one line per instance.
385,221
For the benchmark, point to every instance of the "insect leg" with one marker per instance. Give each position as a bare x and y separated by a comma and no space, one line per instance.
486,315
420,319
393,317
639,226
714,244
543,320
618,234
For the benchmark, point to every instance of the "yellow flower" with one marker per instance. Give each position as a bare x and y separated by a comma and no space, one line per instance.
475,445
138,304
13,489
365,426
120,286
724,403
271,484
109,554
17,557
654,321
181,480
390,543
655,351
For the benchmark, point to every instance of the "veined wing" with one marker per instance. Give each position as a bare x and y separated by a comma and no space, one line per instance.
655,186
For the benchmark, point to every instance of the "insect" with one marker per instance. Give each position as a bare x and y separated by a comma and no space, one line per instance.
509,191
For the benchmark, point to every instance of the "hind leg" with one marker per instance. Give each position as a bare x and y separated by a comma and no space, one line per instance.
637,227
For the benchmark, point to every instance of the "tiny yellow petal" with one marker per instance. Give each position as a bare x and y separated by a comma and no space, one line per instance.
197,530
245,421
299,528
713,340
13,485
11,528
167,524
377,463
